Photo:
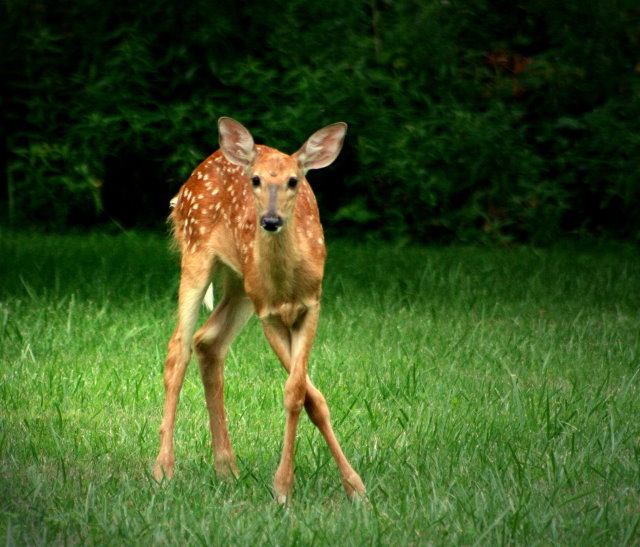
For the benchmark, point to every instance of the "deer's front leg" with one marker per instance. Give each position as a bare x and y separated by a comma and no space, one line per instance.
296,341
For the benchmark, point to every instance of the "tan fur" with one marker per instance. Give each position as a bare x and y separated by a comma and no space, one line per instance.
216,220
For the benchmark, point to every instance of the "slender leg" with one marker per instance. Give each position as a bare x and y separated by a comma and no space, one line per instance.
192,289
316,406
211,344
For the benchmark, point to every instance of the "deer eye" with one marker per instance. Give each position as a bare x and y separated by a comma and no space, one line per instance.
293,182
255,181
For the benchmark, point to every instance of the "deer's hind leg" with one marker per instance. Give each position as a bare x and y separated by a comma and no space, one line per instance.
211,344
195,278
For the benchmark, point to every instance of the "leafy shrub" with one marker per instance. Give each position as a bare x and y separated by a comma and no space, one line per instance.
468,120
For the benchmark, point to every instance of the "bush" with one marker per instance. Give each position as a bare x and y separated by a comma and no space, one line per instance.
468,120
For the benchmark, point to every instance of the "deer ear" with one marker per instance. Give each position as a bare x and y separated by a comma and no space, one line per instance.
236,142
322,148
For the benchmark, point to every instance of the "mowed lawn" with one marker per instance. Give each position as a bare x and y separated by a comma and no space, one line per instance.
486,396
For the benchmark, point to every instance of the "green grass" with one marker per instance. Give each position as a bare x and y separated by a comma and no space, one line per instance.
486,396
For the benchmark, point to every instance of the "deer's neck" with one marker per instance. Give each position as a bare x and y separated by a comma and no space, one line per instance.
277,257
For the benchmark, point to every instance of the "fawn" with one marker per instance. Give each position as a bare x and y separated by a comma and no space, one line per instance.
248,216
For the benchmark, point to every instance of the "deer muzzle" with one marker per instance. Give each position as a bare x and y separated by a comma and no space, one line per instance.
271,221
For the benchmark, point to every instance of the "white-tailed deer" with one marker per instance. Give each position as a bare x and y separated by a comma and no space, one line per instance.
248,216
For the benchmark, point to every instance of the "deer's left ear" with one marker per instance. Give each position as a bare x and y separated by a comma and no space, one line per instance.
321,148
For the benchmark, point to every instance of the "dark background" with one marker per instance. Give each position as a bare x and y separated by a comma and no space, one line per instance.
469,120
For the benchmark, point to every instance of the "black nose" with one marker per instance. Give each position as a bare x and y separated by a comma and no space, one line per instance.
271,223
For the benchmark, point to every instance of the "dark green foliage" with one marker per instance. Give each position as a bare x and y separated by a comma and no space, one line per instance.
467,119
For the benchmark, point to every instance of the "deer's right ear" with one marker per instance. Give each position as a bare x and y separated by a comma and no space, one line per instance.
236,142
